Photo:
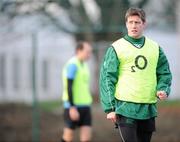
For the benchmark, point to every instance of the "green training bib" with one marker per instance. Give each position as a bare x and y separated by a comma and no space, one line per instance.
80,89
137,71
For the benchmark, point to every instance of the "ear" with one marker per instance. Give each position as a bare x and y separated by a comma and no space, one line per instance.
145,24
126,24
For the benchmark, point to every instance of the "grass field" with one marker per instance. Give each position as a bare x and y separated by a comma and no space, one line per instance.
170,103
50,105
53,105
16,123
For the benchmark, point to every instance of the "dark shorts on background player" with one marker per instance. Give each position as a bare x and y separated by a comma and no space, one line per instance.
85,118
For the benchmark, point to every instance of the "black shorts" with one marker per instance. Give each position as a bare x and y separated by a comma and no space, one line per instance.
85,118
134,130
147,125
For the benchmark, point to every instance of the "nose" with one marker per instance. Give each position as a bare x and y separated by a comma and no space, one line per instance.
133,25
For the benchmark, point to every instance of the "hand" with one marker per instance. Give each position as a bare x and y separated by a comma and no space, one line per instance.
73,113
162,95
112,116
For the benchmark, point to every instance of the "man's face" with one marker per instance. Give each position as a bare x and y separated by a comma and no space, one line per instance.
135,26
86,52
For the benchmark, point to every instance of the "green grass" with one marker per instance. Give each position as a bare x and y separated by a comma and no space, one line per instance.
170,103
50,105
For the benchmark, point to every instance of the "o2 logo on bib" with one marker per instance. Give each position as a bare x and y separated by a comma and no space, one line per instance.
140,63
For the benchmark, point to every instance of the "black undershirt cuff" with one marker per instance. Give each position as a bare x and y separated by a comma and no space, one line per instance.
70,93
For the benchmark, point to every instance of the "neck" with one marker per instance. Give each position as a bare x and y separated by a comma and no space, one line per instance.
136,37
79,58
136,42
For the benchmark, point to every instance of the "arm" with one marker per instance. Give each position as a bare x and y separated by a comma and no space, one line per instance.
108,79
164,76
71,73
70,93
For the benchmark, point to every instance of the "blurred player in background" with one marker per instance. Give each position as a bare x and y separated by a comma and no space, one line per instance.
76,95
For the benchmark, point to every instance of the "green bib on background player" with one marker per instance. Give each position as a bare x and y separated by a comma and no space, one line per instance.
80,89
137,71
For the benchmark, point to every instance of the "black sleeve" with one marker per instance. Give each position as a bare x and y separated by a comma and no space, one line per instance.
70,94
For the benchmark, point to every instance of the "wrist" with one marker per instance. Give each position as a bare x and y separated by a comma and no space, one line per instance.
109,111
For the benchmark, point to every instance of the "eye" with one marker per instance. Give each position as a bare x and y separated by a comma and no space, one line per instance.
138,22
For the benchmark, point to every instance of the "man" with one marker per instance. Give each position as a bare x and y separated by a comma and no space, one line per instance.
135,72
76,95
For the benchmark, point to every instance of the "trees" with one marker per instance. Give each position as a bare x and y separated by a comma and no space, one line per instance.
109,21
91,19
